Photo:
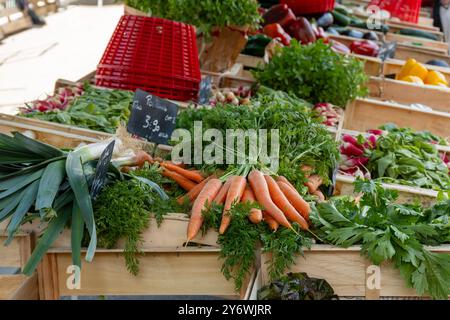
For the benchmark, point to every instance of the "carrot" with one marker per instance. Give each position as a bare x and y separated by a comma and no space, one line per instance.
185,183
283,203
273,224
320,195
314,182
205,197
307,170
191,175
234,195
261,192
142,157
283,179
222,195
255,215
296,200
194,192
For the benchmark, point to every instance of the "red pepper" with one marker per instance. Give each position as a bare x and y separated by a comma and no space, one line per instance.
320,33
274,31
339,47
280,14
302,30
365,48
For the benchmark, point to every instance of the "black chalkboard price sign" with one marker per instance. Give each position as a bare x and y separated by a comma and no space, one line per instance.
152,118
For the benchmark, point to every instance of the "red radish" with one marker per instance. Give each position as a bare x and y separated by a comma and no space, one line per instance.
376,132
351,150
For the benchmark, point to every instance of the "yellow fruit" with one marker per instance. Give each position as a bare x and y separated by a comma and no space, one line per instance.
435,77
407,67
412,68
412,79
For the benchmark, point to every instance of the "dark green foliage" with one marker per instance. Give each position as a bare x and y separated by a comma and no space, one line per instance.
315,73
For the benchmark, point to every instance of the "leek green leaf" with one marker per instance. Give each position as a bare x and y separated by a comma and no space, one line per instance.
20,184
44,150
77,227
49,184
79,184
24,206
54,228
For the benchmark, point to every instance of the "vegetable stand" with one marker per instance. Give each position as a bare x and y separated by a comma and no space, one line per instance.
366,114
167,267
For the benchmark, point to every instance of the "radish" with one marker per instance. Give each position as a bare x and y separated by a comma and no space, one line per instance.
376,132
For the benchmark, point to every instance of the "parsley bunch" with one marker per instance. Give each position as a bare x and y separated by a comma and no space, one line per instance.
204,14
315,73
390,231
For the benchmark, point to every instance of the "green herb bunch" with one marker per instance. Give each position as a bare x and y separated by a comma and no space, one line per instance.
315,73
388,231
409,157
303,139
204,14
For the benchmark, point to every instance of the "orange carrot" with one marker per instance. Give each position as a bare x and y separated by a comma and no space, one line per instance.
234,195
142,157
222,195
320,195
262,194
307,170
205,198
185,183
296,200
314,182
194,192
255,215
283,203
191,175
273,224
283,179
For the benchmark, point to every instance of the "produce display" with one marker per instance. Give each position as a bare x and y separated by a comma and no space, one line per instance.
258,208
415,72
314,73
96,109
396,156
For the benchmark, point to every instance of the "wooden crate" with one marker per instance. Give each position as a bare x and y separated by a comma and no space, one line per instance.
344,186
347,272
18,287
365,114
405,51
408,93
166,268
393,66
176,271
16,21
16,254
58,135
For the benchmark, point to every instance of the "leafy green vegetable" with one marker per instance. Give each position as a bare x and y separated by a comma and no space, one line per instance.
303,139
297,286
97,109
315,73
408,157
390,231
204,14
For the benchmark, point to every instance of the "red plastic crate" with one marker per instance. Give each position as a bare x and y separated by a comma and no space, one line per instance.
301,7
152,53
406,10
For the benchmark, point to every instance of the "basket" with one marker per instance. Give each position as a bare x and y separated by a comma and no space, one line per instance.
152,54
301,7
405,10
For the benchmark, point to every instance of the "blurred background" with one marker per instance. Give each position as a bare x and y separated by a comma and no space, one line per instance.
43,40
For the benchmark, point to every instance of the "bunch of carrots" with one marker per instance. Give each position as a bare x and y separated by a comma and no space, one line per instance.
282,204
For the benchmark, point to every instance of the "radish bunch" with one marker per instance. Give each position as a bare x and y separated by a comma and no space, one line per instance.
329,112
355,153
446,158
60,101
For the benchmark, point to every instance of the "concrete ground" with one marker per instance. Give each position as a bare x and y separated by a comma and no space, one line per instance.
69,46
